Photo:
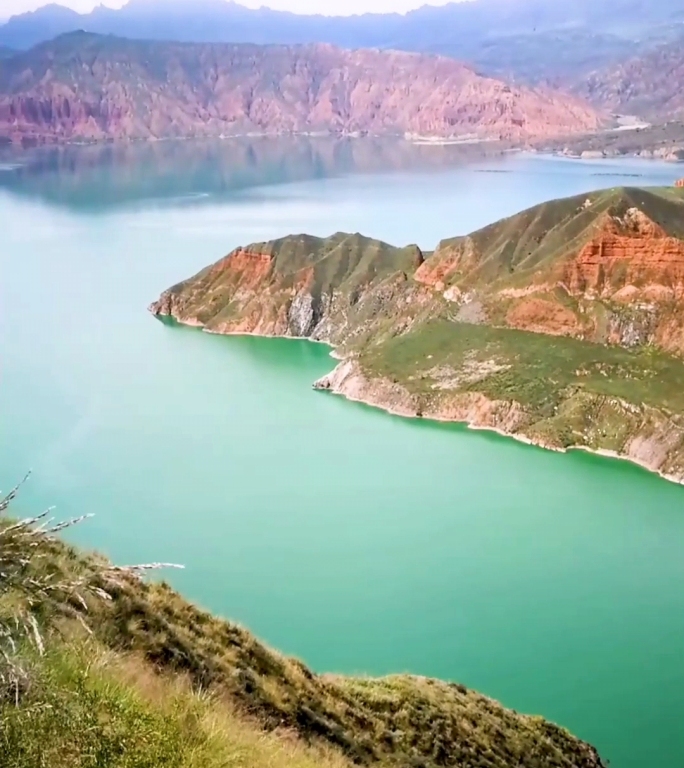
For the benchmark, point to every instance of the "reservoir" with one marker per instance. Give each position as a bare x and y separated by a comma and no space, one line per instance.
357,541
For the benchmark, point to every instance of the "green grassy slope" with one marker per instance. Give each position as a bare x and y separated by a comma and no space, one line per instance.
540,370
128,696
340,285
88,707
537,240
572,393
341,262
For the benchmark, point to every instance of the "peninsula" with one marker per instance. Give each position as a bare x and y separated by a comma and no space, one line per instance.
562,326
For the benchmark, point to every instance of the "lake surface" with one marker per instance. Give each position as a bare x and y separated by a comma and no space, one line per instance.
358,541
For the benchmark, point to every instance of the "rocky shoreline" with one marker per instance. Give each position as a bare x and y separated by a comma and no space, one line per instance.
476,412
662,141
473,410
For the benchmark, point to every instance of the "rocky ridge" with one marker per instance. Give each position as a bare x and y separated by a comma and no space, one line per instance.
577,267
562,325
85,87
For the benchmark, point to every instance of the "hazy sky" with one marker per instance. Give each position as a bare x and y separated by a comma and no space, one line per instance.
10,7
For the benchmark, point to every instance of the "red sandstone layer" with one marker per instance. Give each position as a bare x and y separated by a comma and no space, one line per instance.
90,87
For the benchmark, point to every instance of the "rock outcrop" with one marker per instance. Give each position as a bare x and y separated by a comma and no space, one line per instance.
328,289
627,257
89,87
562,326
606,267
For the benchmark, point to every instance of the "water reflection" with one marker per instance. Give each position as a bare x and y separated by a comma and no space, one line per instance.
98,177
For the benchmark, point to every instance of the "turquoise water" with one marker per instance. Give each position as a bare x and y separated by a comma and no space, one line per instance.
357,541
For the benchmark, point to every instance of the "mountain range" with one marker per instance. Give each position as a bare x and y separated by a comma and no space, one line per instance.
87,87
527,40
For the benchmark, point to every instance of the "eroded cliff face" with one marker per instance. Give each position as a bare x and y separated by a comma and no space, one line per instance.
88,87
337,290
628,257
617,280
350,380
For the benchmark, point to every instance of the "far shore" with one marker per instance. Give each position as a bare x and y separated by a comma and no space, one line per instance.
29,142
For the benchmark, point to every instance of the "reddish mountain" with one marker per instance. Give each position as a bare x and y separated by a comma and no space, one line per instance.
648,85
562,325
89,87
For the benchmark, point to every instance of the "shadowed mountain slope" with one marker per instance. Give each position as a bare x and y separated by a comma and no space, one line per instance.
530,40
648,85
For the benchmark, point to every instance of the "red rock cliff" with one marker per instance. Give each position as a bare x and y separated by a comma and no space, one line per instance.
84,86
629,251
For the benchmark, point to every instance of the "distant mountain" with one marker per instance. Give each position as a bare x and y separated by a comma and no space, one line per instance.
531,40
91,87
27,29
649,85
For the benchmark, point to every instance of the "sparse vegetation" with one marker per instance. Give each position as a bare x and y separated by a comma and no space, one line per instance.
573,393
91,708
536,370
37,584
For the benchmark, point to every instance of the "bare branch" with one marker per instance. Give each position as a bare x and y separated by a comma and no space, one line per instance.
12,494
23,546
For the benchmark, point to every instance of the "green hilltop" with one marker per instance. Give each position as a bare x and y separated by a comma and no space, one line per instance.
516,248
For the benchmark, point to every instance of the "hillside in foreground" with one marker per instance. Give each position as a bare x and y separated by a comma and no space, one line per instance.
157,682
562,325
86,87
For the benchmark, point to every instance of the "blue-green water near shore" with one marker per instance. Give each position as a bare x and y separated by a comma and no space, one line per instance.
358,541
